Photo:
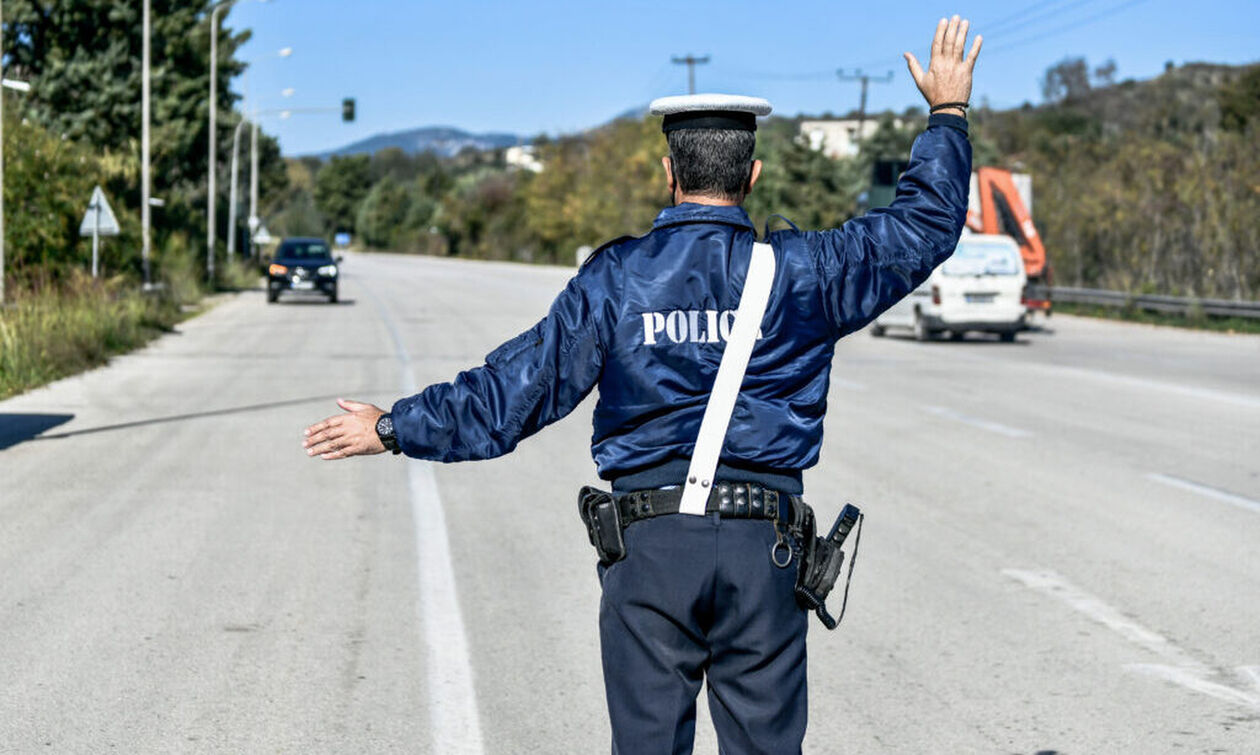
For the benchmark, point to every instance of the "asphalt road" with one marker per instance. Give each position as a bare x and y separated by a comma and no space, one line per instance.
1060,552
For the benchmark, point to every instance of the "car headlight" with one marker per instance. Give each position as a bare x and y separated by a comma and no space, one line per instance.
277,270
328,270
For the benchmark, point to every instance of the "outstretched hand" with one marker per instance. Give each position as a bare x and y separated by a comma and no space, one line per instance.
345,435
948,77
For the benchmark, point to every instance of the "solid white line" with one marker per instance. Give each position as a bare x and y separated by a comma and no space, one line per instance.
1195,487
456,726
452,696
983,424
1181,668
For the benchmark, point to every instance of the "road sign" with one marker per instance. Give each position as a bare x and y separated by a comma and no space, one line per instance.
342,239
262,236
99,219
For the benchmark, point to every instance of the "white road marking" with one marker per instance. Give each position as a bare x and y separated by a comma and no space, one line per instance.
1250,674
1189,391
1180,668
1041,370
456,725
1056,586
1224,496
1196,679
983,424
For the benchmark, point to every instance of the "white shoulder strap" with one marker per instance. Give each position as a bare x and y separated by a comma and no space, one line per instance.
717,413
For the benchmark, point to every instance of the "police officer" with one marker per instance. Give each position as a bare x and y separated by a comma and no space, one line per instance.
645,320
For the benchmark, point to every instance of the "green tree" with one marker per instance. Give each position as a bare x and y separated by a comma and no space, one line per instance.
1240,100
1066,80
83,59
803,185
340,185
382,213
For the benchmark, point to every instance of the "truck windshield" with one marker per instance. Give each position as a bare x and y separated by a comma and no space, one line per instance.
983,258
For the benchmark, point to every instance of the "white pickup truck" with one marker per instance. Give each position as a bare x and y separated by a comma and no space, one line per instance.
980,288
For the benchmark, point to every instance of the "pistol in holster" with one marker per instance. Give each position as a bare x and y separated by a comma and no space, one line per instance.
821,560
602,518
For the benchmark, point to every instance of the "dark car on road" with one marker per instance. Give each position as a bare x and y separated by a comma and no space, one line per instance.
304,265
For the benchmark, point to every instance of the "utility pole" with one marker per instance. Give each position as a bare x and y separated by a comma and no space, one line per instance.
691,61
145,209
866,79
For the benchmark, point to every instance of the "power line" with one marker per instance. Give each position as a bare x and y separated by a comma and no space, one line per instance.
1068,27
1046,13
1037,7
1039,10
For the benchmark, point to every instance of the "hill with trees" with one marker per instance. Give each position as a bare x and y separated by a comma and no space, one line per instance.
443,141
1150,186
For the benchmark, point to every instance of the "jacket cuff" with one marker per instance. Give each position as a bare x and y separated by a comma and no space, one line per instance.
948,119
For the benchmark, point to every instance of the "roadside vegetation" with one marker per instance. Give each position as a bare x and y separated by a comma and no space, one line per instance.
77,128
58,331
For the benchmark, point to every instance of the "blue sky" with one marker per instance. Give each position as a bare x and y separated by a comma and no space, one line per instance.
557,67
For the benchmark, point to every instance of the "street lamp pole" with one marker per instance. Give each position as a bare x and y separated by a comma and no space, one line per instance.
213,141
145,209
236,145
254,221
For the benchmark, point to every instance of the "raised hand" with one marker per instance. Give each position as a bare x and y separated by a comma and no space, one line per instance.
948,77
345,435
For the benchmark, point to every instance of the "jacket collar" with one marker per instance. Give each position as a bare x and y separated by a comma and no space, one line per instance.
690,212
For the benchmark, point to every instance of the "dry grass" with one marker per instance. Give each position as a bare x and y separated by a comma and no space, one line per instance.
50,334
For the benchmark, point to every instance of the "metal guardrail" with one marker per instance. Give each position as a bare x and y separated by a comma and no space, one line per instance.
1181,305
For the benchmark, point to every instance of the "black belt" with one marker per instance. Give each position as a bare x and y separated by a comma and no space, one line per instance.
732,500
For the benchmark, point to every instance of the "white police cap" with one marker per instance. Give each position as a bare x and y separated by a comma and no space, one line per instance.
727,111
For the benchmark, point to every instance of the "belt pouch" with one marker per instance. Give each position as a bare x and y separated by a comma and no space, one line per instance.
821,562
603,524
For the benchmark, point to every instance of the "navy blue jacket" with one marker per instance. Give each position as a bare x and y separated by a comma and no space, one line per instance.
645,320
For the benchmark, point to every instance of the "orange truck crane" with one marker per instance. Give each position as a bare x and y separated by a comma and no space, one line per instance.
1001,202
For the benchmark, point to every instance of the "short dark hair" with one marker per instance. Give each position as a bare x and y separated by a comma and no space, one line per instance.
712,162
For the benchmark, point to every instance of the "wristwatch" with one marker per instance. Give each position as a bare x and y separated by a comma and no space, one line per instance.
385,431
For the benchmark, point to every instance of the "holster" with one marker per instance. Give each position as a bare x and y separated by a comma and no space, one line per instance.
821,560
602,518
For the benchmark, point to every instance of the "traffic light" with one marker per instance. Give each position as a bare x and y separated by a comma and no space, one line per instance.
347,110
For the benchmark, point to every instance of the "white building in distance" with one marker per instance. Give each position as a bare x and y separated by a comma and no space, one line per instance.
838,138
524,157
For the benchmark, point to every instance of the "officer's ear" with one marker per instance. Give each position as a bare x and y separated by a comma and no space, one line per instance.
753,176
669,174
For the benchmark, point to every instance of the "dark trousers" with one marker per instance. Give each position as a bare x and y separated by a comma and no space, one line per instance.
697,597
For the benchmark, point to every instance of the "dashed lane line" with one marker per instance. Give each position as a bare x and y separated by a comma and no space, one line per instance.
1178,667
1223,496
983,424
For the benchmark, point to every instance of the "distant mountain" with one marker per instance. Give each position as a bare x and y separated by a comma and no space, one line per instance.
441,140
